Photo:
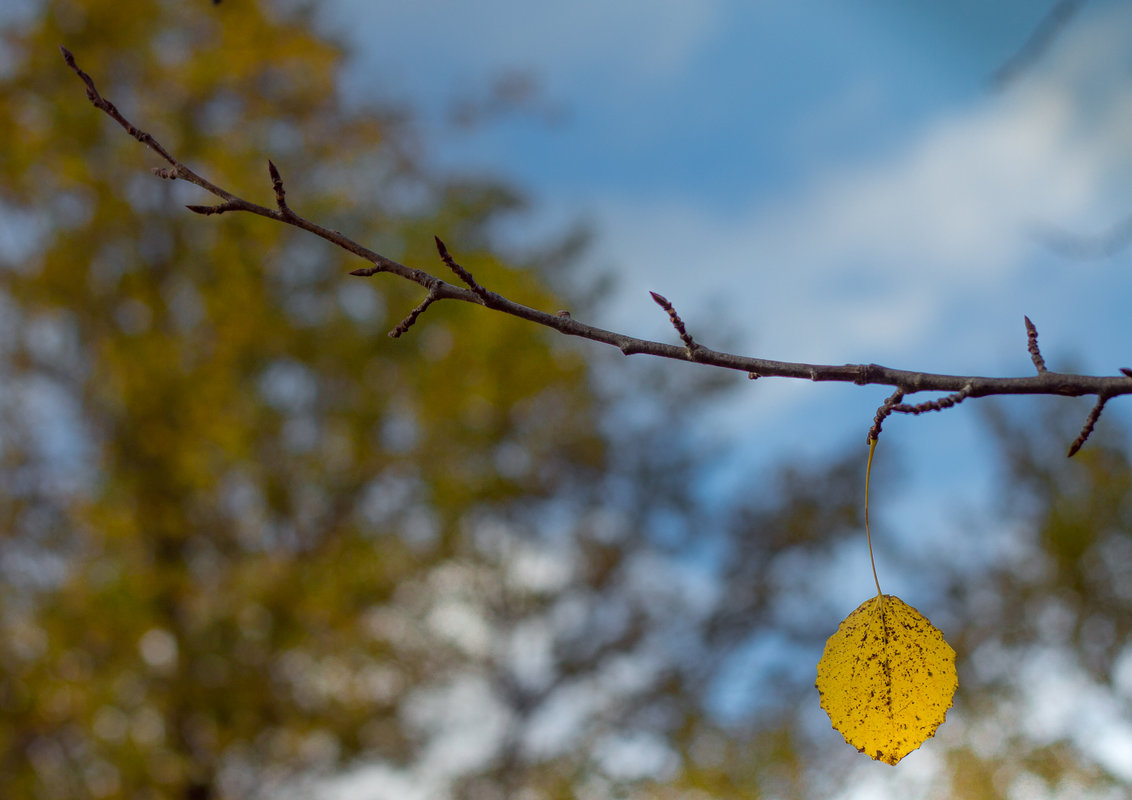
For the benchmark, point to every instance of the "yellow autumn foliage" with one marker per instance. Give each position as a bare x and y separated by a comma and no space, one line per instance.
886,678
247,466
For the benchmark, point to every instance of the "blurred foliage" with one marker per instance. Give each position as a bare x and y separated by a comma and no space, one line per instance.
248,543
215,464
1046,618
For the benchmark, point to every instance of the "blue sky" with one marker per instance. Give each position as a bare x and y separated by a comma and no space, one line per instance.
826,182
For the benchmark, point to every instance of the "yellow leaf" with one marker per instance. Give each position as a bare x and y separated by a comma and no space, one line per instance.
886,678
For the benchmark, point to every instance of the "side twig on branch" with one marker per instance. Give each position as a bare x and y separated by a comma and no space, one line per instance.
958,387
689,343
1032,346
1087,429
883,413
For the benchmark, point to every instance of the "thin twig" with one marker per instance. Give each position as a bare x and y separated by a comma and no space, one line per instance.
677,323
1032,346
404,325
883,413
277,187
461,273
1090,423
935,405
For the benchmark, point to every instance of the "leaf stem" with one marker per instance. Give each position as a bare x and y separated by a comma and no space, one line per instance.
868,534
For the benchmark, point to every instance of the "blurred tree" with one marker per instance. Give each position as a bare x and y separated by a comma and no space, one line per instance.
247,540
215,465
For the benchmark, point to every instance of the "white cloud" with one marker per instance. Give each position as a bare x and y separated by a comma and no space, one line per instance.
865,259
945,217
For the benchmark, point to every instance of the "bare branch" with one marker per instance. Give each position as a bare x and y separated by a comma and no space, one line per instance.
904,382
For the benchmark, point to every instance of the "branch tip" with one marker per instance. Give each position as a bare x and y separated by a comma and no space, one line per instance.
1127,372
